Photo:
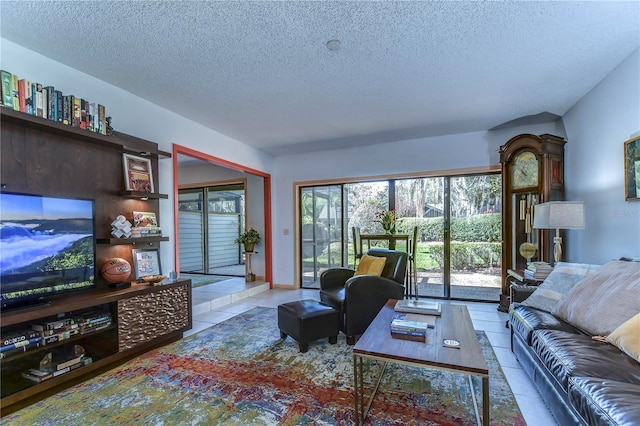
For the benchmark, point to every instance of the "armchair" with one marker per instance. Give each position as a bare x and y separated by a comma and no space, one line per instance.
359,298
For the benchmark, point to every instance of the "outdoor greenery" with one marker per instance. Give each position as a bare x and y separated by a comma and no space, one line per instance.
477,245
475,220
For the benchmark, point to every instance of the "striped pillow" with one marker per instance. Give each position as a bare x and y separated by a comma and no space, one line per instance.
562,279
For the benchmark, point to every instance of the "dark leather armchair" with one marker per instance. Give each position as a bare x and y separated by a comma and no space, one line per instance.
360,298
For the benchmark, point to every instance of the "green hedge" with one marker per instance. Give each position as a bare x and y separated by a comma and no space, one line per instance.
483,227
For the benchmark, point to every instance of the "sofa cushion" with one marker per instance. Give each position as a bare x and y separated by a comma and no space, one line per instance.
563,277
603,300
604,401
627,337
568,355
370,265
524,320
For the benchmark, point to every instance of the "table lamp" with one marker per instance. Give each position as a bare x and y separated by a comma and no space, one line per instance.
559,215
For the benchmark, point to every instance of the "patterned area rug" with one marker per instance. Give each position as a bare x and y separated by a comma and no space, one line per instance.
240,372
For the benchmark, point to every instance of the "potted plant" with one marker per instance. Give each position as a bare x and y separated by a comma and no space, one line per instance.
249,239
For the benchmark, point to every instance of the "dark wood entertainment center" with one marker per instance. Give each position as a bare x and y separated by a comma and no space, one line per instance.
43,157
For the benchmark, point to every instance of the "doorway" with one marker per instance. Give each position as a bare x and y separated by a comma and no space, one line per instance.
257,199
210,219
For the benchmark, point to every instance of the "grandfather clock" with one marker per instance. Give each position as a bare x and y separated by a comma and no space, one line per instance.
532,173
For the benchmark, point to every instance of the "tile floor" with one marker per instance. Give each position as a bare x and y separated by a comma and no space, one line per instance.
220,301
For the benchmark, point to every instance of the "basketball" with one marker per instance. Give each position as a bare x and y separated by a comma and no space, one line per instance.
116,270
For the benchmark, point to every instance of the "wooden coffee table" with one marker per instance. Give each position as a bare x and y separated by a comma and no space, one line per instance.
455,323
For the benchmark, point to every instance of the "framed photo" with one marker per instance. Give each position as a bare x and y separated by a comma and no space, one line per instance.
146,262
144,220
137,173
632,169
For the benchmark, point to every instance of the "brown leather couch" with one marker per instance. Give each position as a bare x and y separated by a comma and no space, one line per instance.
582,381
360,298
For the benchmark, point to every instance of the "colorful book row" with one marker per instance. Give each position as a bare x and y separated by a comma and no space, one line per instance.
45,101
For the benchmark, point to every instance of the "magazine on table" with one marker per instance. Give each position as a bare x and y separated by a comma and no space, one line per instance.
418,307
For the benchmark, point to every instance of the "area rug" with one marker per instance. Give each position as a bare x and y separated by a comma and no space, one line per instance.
240,372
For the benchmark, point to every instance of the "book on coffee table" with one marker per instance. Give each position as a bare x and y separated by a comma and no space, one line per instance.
418,307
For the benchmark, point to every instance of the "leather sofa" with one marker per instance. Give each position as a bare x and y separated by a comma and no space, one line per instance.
359,298
582,381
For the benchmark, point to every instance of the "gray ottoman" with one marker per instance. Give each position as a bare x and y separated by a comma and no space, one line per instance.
308,320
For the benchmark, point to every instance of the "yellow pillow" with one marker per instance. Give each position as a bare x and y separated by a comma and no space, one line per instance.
627,337
370,265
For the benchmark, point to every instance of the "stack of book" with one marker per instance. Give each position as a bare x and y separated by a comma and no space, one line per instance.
19,341
537,271
411,326
45,101
93,321
146,231
37,375
55,331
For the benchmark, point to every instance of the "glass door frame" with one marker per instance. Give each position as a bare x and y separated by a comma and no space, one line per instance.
391,192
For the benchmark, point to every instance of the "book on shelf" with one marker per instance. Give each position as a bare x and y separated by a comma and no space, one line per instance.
418,307
54,325
20,344
22,96
21,349
15,92
7,95
38,376
18,336
59,100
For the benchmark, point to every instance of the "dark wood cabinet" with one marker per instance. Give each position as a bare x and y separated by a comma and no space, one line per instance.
532,173
43,157
143,317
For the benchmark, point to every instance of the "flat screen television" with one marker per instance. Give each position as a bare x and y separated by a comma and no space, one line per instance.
47,247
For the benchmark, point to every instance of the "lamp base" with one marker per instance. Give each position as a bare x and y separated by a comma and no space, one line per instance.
557,247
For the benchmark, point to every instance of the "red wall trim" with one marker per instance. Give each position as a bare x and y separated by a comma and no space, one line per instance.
268,256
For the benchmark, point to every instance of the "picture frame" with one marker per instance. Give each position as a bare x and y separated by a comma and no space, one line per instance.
632,169
144,220
138,175
146,262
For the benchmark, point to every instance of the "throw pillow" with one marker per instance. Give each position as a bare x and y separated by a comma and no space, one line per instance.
627,337
370,265
563,277
605,299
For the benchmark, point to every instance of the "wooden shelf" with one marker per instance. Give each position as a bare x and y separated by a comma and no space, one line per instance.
139,194
106,346
117,141
132,241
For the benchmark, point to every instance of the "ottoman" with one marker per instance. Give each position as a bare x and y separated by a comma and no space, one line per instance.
308,320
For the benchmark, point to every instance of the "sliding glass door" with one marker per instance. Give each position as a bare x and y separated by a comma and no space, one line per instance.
209,220
458,221
321,232
421,203
476,237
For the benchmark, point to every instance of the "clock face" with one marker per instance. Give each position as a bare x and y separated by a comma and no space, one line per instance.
525,170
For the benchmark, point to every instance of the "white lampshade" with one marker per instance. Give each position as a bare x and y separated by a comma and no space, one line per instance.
559,215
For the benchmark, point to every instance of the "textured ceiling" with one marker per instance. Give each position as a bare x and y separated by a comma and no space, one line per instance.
260,72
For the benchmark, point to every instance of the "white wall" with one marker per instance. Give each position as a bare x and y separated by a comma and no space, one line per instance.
596,128
467,150
137,117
